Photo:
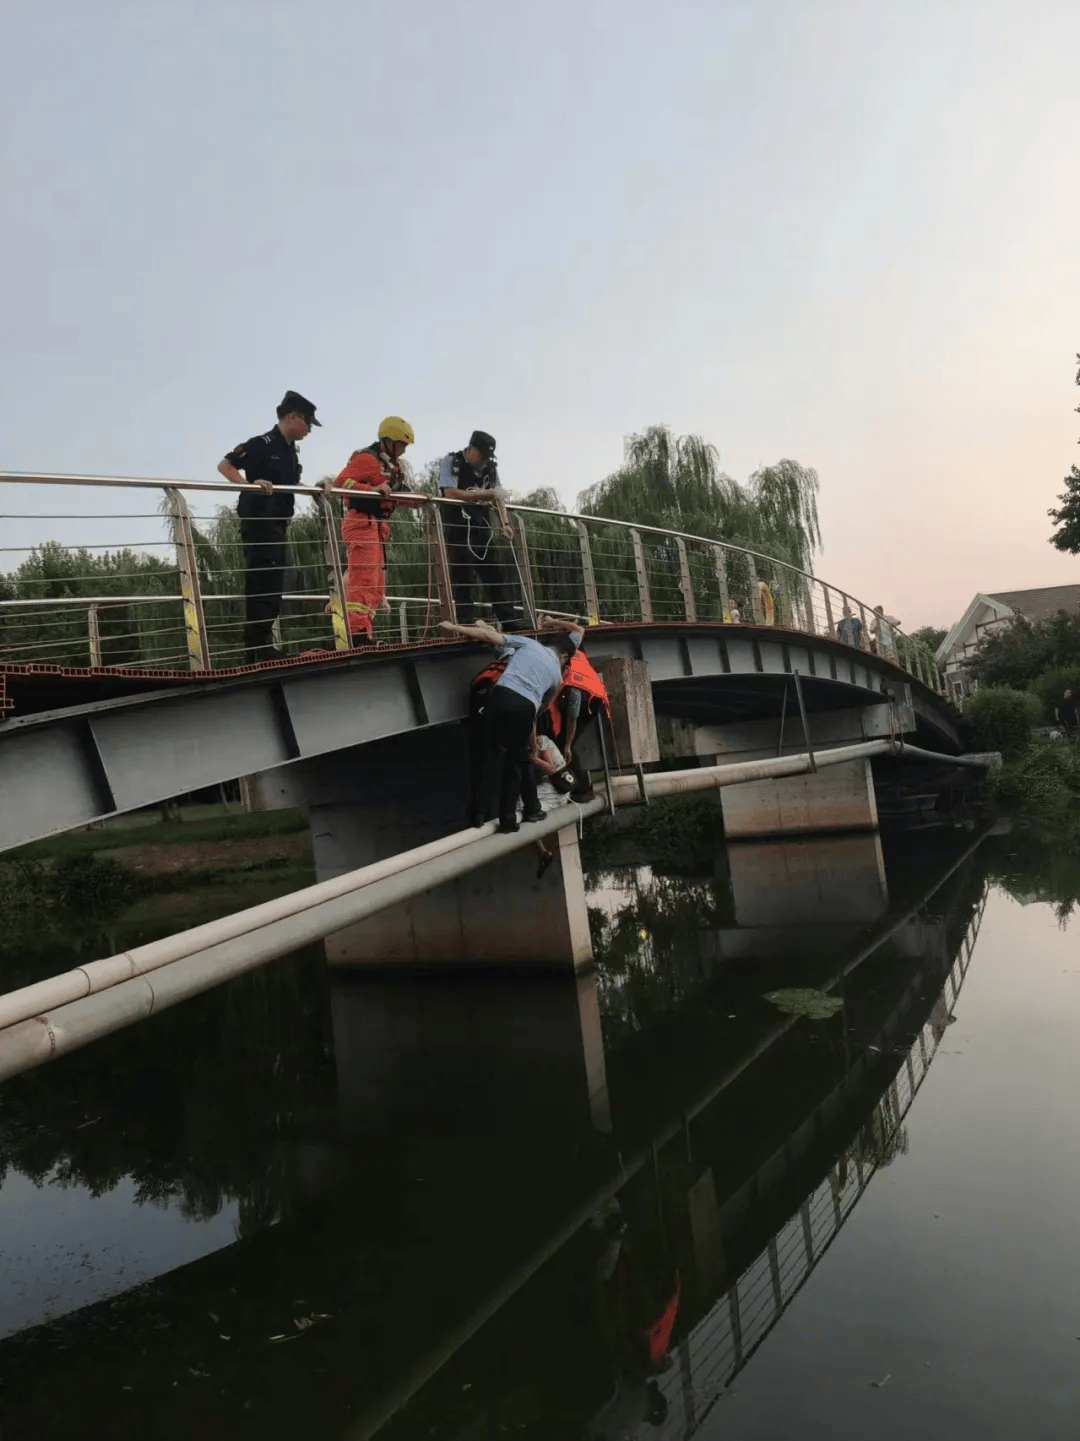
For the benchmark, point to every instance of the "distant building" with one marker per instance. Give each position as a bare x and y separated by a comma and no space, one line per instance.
988,613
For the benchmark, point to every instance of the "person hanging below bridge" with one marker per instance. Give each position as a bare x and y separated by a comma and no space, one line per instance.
267,461
527,683
579,701
479,565
378,479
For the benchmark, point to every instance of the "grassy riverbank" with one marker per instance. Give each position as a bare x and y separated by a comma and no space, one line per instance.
138,867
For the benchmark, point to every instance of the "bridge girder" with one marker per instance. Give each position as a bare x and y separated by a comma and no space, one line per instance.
68,767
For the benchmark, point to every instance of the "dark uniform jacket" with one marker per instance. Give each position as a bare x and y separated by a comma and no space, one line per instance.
458,473
266,457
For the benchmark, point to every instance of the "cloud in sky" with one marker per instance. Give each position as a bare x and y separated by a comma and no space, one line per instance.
833,231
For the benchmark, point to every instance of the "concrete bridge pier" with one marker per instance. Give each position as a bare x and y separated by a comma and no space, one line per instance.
836,798
369,802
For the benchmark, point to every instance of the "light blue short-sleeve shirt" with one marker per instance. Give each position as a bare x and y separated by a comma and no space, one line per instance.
532,671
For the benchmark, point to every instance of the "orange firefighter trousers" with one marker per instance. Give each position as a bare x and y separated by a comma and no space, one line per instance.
365,580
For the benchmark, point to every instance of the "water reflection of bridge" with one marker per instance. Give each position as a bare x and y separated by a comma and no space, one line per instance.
475,1136
723,1341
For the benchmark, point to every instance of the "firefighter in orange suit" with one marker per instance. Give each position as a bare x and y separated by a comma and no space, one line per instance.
375,475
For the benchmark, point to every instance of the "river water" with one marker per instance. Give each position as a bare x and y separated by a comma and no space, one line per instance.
644,1202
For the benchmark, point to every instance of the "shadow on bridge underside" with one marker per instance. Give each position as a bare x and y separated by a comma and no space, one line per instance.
509,1181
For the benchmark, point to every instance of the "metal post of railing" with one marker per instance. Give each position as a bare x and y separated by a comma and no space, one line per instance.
774,1275
808,1233
721,581
187,560
736,1321
834,1187
784,612
864,632
334,577
808,608
437,542
592,600
403,623
644,596
685,583
528,597
757,610
828,610
94,636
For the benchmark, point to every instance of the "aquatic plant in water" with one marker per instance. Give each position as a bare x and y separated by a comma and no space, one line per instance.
804,1001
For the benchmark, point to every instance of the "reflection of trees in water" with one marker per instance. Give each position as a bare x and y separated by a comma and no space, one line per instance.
654,951
1032,867
193,1104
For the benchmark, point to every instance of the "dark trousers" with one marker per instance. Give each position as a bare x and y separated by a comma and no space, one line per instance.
480,566
266,560
502,774
582,779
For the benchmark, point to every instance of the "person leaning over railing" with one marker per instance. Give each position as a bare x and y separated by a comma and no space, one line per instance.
267,460
376,476
529,681
882,634
478,563
849,627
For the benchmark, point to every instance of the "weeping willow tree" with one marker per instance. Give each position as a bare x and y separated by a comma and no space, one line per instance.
675,482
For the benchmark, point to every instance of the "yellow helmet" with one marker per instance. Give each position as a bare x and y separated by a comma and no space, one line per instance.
394,428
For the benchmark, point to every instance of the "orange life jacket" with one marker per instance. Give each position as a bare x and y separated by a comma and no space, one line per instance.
578,675
491,673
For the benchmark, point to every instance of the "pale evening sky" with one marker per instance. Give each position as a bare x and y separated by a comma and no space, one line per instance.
841,232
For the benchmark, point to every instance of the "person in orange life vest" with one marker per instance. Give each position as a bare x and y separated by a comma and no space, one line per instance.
375,474
582,692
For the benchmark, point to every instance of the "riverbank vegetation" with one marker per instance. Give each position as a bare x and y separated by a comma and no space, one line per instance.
123,871
1039,783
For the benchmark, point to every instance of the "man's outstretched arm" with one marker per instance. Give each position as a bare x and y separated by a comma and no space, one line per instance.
481,631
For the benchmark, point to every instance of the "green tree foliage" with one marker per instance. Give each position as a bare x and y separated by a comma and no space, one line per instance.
58,633
676,483
1043,786
929,637
1003,718
1018,653
1050,687
1067,517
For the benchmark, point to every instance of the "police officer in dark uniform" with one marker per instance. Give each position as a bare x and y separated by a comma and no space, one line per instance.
266,461
478,562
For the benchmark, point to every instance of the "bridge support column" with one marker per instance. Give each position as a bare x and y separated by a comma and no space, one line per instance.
368,803
839,797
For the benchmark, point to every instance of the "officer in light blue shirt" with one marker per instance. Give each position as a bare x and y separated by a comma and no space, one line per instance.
530,680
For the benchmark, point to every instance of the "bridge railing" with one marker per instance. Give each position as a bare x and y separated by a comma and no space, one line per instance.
166,590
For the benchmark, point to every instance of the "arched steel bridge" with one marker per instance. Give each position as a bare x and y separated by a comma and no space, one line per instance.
113,700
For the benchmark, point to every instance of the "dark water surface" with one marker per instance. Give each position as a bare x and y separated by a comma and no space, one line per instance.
644,1202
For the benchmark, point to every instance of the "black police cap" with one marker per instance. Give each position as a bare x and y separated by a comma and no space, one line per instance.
296,404
484,443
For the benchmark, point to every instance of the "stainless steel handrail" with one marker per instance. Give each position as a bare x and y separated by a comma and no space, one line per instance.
794,602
